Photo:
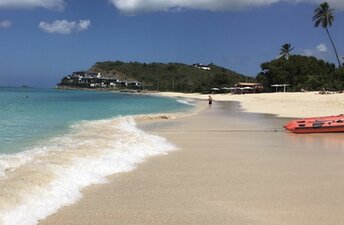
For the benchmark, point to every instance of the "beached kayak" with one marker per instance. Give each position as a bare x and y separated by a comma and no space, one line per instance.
326,124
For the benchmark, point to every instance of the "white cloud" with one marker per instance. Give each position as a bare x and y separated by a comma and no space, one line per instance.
319,51
30,4
322,48
64,26
5,24
137,6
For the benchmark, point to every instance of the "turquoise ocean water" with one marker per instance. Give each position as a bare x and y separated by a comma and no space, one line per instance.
54,143
30,115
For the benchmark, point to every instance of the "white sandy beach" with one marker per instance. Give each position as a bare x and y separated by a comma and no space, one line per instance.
296,104
232,167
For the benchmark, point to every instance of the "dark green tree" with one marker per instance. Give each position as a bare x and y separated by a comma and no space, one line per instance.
324,15
301,72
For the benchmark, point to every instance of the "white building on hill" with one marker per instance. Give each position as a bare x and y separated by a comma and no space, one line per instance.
200,66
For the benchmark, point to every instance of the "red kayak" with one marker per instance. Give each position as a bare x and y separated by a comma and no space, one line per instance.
326,124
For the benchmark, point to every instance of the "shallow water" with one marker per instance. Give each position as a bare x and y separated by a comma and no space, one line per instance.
29,115
54,143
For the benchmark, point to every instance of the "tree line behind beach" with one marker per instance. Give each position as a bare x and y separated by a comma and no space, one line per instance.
301,73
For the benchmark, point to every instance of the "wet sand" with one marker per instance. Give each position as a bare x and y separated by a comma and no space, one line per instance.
231,168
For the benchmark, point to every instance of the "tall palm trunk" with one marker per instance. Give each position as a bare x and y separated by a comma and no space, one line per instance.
334,47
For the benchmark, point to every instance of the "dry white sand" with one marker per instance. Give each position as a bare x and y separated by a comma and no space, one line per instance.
296,104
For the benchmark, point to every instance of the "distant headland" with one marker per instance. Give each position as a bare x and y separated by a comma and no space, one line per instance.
175,77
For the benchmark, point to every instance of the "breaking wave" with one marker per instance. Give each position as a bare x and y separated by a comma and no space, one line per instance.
187,101
37,182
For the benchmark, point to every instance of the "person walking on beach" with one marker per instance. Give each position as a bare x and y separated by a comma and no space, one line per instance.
210,101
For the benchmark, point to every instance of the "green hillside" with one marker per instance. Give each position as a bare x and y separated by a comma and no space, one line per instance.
170,77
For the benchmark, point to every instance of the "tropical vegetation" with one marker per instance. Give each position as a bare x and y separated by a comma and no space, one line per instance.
301,73
324,16
305,72
172,76
285,51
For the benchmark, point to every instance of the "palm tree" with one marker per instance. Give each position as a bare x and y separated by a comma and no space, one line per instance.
323,15
286,51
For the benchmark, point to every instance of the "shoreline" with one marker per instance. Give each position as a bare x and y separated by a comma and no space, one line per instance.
280,104
228,170
286,105
49,173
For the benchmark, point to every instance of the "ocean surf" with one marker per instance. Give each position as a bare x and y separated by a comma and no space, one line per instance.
55,143
39,181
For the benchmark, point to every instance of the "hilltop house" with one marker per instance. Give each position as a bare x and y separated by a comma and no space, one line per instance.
83,74
200,66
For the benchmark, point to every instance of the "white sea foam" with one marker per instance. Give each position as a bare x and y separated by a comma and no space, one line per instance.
9,162
47,178
186,101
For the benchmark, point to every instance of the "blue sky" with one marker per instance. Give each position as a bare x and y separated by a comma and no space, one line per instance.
43,40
